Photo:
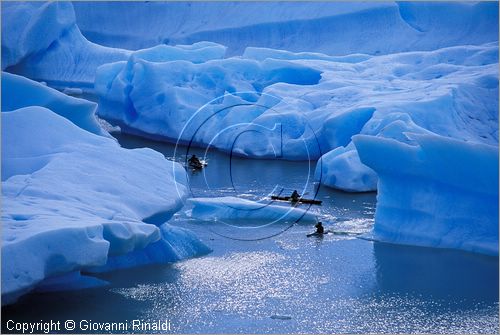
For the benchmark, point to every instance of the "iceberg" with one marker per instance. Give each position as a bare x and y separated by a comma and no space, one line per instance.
237,209
429,99
72,199
304,106
437,192
213,103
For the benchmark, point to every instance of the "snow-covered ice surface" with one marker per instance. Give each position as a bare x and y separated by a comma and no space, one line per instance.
71,198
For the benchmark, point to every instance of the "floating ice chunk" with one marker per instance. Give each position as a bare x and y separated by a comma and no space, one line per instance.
18,92
342,169
305,105
71,198
437,192
232,208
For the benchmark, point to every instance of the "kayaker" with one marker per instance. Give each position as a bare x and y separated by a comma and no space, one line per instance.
194,161
319,228
295,196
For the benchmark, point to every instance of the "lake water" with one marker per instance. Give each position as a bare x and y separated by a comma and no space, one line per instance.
279,280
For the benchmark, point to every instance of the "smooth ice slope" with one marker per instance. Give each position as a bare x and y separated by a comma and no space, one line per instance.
438,192
332,28
231,209
18,92
41,40
71,198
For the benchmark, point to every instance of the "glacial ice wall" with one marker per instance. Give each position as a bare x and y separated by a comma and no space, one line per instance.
339,28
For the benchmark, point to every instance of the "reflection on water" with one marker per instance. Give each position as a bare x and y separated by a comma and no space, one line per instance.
437,273
288,283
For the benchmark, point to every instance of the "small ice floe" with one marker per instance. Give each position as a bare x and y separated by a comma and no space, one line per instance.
231,208
281,317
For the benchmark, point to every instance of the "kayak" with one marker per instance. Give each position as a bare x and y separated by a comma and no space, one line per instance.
317,234
344,233
198,166
302,200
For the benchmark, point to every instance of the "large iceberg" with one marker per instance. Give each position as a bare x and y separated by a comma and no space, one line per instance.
71,199
37,37
451,92
303,104
437,192
213,103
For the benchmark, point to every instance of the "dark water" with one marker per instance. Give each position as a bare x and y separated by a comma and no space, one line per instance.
288,282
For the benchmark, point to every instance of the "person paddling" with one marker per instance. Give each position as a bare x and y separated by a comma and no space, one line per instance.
195,162
295,196
320,230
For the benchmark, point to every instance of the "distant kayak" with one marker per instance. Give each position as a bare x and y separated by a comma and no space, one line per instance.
197,166
344,233
302,200
316,234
